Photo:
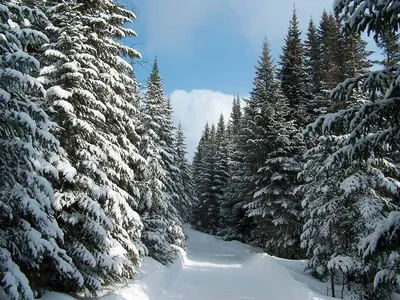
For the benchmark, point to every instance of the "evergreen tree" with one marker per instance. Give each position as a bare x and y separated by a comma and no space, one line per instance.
316,105
235,117
197,162
207,210
91,96
211,165
369,138
293,74
328,33
175,184
343,205
389,42
162,223
312,52
221,166
277,209
228,212
30,237
187,192
252,145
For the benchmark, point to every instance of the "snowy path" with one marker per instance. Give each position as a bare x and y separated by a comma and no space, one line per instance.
219,270
214,269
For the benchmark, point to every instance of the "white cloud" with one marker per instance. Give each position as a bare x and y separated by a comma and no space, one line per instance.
172,25
193,109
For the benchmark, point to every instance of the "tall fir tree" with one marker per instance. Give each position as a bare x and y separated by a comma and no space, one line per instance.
235,117
229,212
313,65
206,211
292,73
175,185
274,205
253,146
162,223
369,182
187,192
389,43
221,166
30,237
343,205
90,95
328,33
312,52
197,162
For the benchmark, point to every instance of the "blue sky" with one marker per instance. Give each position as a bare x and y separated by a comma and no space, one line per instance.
207,49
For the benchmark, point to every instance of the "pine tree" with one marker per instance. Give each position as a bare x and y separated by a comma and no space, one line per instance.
221,166
343,205
235,117
293,76
175,185
389,42
159,192
361,155
207,211
253,146
91,96
197,163
328,34
229,213
210,166
276,208
356,56
312,52
316,105
30,237
187,193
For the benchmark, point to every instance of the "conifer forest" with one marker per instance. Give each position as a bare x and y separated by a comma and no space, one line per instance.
94,174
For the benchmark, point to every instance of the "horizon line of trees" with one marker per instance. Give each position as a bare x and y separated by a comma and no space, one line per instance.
309,167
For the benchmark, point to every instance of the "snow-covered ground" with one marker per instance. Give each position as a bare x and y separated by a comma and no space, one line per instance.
214,269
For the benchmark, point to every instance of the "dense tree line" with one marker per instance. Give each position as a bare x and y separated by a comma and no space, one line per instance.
93,174
309,167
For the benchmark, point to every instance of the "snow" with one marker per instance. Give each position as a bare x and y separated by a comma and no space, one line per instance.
216,269
56,296
58,92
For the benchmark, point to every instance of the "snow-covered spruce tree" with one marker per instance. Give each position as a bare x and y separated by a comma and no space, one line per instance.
198,172
221,166
207,210
343,204
317,103
276,207
30,255
214,176
328,34
292,74
91,96
253,146
235,118
320,203
389,43
162,224
174,183
197,158
229,212
312,53
371,131
187,192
